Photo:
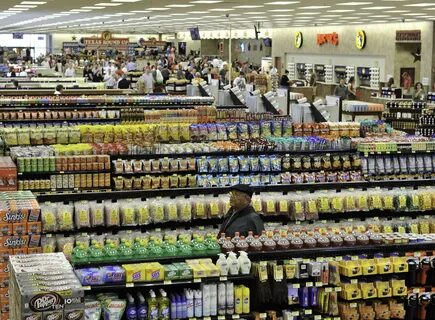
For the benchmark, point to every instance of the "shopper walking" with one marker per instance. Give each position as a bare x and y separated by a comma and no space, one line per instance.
341,90
241,217
351,89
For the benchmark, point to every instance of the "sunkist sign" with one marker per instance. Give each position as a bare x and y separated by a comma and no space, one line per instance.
331,38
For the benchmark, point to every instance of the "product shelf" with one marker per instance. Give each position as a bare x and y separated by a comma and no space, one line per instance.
120,286
229,153
405,110
56,197
402,120
84,120
36,175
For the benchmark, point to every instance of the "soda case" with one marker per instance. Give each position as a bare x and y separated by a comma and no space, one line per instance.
20,233
44,286
8,174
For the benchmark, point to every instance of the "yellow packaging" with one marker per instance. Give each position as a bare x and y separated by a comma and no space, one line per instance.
290,271
368,290
350,268
198,271
211,270
384,265
384,289
368,267
134,272
350,291
154,271
400,265
398,287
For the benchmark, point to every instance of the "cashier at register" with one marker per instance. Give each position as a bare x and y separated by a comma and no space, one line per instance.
241,217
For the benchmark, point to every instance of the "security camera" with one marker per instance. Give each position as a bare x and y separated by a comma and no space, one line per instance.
403,19
227,15
148,17
122,20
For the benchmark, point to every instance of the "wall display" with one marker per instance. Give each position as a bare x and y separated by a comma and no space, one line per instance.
331,38
408,35
360,39
299,40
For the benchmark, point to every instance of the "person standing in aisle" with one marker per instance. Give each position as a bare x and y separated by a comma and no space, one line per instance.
418,92
70,71
351,88
285,81
341,90
241,217
59,89
240,81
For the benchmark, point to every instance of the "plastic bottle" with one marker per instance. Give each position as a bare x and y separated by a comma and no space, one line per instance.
236,238
238,300
229,286
183,307
246,300
222,264
131,312
206,300
242,245
244,263
233,264
173,307
190,303
213,299
221,239
179,312
222,308
250,237
141,307
198,303
163,306
153,306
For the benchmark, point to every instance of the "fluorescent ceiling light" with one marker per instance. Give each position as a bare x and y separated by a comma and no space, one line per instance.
140,11
33,2
397,11
413,14
126,0
281,3
179,14
281,10
158,9
340,10
93,8
424,4
207,1
197,12
315,7
353,3
180,5
24,6
222,9
107,4
307,13
248,7
80,10
378,8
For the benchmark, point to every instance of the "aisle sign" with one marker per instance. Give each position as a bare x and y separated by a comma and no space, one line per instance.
360,39
331,38
299,39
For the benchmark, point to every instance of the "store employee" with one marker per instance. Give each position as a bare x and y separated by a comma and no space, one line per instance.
241,217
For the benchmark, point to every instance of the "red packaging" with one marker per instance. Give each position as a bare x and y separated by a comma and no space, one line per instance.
4,268
4,254
4,316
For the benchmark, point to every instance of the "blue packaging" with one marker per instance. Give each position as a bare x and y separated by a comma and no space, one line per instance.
89,276
112,274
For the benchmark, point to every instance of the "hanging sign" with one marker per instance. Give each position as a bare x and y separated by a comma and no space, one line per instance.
360,40
299,39
408,35
106,40
331,38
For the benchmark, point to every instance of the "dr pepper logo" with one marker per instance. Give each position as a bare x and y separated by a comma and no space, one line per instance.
46,302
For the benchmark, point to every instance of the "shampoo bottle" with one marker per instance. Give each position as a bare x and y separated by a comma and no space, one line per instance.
233,264
222,308
222,264
244,263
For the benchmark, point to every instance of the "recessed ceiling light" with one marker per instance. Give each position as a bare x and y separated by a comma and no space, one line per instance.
281,3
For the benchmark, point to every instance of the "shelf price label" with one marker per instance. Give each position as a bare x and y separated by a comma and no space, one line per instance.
87,288
309,284
319,284
329,289
223,278
354,281
318,317
308,312
221,317
295,313
167,282
263,315
353,305
129,285
198,280
236,316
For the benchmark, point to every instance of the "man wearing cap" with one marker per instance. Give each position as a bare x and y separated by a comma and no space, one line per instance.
241,217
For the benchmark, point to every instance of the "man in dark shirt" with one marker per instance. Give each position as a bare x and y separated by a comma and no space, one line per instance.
285,80
341,90
241,217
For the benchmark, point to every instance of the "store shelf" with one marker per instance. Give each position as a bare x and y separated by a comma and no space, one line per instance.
402,119
230,153
121,286
222,190
426,125
398,152
84,120
405,110
36,175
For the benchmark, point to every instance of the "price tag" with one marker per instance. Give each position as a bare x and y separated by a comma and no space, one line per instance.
197,280
129,285
295,313
306,260
401,218
350,220
221,317
319,284
339,258
416,290
296,285
207,318
338,289
61,172
20,173
308,311
353,305
337,318
49,235
328,289
354,281
309,284
317,317
223,279
297,222
263,315
236,316
167,282
417,254
192,318
158,230
87,288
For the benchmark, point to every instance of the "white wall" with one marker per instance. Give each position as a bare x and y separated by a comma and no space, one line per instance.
38,41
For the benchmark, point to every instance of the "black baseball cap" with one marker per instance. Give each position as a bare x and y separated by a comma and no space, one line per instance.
245,188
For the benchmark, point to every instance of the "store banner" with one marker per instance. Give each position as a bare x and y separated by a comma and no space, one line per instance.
408,35
331,38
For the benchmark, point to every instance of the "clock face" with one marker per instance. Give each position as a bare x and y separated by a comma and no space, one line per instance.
360,40
106,35
299,40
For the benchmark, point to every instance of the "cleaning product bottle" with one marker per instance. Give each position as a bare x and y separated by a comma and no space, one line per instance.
233,264
173,307
238,300
205,300
229,287
246,300
213,299
222,264
183,306
141,307
131,313
222,308
153,306
190,303
244,263
179,312
163,306
198,303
